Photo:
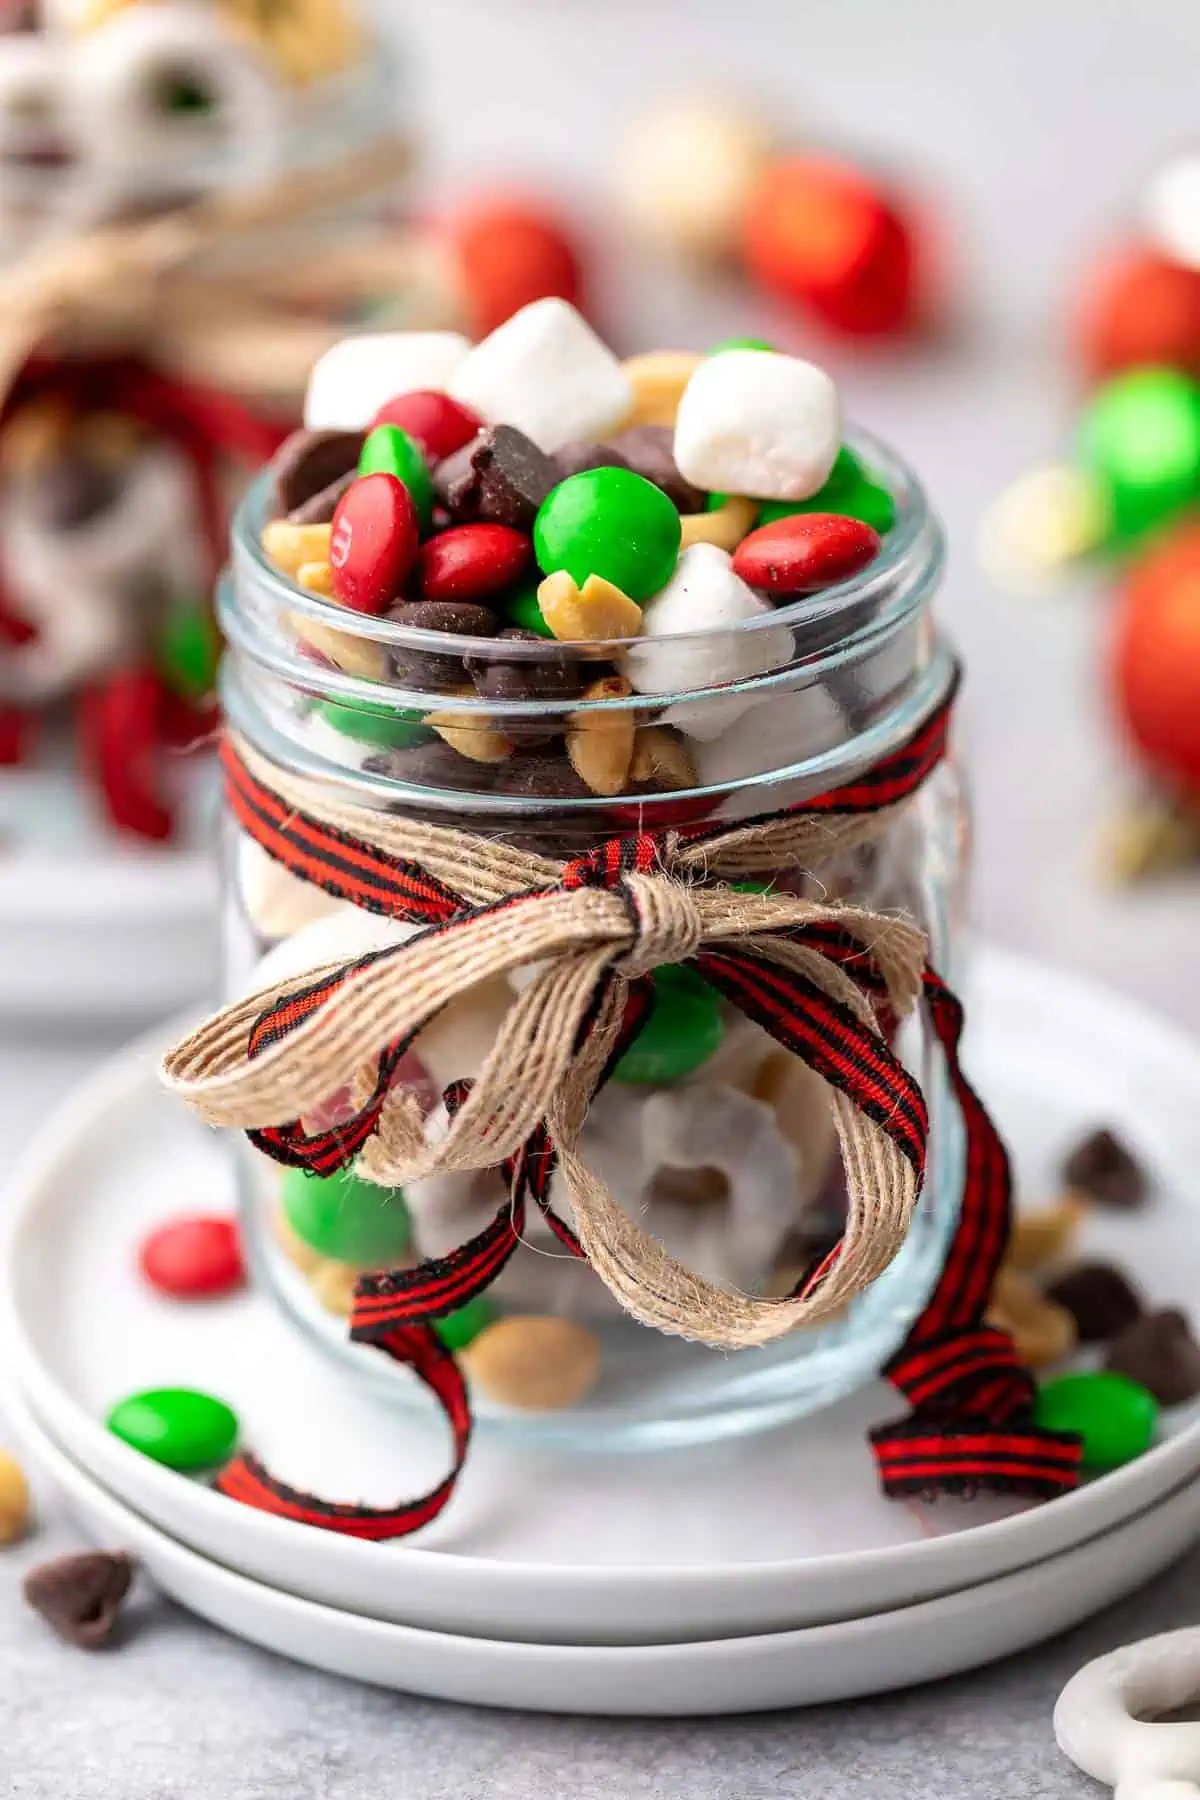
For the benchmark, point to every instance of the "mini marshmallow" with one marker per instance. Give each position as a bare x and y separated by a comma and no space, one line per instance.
545,372
357,375
768,734
704,595
276,902
753,422
341,936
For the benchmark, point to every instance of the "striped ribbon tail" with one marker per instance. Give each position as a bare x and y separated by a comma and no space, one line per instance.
971,1425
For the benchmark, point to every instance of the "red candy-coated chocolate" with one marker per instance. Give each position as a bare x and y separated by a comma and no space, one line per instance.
1155,657
468,562
818,232
194,1258
1138,309
122,743
808,551
512,251
440,425
374,542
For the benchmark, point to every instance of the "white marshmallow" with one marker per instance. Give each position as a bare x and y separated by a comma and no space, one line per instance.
546,372
342,935
753,422
1172,210
704,595
355,376
770,733
276,902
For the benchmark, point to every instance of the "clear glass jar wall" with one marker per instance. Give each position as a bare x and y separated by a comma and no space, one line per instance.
725,1149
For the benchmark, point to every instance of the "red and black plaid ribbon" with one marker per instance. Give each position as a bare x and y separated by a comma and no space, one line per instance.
971,1425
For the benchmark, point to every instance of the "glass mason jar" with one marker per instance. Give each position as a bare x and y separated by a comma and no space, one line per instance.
741,1176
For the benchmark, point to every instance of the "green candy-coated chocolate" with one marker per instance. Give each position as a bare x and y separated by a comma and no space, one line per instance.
613,523
1140,435
390,450
741,343
177,1426
1114,1416
370,722
347,1218
458,1329
850,490
520,607
684,1029
189,651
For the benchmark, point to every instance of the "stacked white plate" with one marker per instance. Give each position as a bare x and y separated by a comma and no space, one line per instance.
760,1573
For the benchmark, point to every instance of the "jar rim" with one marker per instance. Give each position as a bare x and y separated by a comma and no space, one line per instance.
909,562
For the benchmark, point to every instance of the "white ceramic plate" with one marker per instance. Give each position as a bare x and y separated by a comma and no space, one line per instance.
757,1535
91,923
726,1675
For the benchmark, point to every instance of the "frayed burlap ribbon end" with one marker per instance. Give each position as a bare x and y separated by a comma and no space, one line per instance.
587,943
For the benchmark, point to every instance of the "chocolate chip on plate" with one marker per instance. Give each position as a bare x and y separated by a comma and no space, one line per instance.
80,1596
308,461
649,450
456,618
1106,1171
552,675
501,476
577,458
321,506
1101,1300
1159,1351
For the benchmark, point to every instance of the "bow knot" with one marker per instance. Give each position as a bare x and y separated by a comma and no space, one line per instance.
668,924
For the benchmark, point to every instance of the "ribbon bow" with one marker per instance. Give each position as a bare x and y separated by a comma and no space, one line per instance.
819,978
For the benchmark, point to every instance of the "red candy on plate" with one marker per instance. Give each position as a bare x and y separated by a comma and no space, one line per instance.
804,553
468,562
440,425
511,250
373,543
194,1258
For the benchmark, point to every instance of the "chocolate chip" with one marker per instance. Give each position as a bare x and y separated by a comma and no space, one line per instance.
1102,1168
1099,1298
579,457
309,461
321,506
554,675
539,777
1160,1352
649,450
501,475
458,618
80,1596
436,764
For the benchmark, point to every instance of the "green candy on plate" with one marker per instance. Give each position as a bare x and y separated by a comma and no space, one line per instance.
1140,436
180,1427
1114,1416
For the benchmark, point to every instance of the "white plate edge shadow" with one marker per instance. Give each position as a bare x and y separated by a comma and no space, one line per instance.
876,1654
475,1593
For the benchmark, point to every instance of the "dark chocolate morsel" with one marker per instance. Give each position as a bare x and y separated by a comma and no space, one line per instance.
1106,1171
649,450
540,777
554,675
1160,1352
457,618
501,476
320,507
80,1596
308,461
579,457
1099,1298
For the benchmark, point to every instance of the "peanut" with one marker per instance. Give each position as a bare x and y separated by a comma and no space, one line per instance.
600,744
14,1500
595,612
662,757
290,546
658,378
333,1284
726,527
470,736
1044,1235
1042,1331
353,655
537,1363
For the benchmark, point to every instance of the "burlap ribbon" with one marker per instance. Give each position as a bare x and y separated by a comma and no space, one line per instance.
215,291
811,972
